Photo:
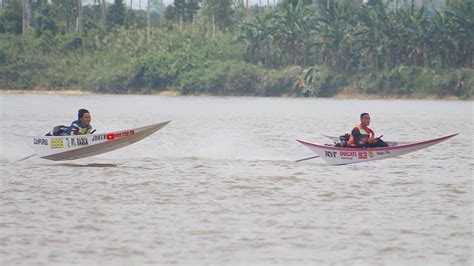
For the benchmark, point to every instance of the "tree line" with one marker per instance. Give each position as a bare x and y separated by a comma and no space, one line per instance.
294,47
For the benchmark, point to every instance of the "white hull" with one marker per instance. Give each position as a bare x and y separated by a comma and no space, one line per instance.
60,148
341,155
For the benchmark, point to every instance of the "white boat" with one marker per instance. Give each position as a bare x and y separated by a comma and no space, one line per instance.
344,155
61,148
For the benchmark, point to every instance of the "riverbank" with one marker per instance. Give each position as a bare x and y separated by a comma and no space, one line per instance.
76,92
236,78
343,95
46,91
214,67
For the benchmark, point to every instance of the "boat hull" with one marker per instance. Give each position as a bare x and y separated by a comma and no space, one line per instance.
61,148
341,155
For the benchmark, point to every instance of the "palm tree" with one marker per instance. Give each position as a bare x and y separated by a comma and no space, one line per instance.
335,38
80,17
462,25
148,12
26,17
373,33
293,25
414,34
257,36
103,13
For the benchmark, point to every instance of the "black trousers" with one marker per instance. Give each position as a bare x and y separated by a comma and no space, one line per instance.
378,143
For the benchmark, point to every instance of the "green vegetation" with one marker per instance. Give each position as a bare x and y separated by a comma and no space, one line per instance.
222,47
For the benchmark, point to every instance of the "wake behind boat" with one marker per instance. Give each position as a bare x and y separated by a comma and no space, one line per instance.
61,148
344,155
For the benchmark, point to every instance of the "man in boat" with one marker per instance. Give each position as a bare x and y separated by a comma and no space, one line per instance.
82,125
363,137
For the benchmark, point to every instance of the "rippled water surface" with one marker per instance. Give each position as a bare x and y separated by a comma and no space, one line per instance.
219,185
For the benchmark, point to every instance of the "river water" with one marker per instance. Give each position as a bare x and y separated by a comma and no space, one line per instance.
219,185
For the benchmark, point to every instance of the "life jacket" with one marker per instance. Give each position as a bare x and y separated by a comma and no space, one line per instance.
365,134
77,129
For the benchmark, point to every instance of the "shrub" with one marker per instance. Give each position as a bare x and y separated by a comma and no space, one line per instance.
220,78
279,82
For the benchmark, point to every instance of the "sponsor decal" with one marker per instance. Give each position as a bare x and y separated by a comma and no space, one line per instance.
76,142
362,155
110,136
99,137
39,141
380,153
113,136
371,154
82,141
348,154
331,154
57,143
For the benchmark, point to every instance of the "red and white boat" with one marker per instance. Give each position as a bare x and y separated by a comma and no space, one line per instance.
344,155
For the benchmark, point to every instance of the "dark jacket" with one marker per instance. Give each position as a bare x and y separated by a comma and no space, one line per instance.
77,128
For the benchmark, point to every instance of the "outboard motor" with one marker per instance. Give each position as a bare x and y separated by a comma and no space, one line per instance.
60,130
343,141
